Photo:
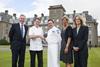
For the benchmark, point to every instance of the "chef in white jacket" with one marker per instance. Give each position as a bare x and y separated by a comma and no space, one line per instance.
54,41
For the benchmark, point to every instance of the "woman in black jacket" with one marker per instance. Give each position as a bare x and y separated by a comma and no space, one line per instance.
80,38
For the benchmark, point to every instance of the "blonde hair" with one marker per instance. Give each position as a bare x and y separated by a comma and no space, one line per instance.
65,17
82,19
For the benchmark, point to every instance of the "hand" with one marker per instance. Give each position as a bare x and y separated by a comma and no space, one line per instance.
76,48
66,50
41,37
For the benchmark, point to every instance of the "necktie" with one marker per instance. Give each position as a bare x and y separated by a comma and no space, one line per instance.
22,30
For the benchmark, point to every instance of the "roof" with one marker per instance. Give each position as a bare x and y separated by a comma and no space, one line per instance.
5,17
88,17
56,7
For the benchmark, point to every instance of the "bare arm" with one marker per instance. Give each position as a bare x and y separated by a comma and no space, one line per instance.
35,36
67,45
68,42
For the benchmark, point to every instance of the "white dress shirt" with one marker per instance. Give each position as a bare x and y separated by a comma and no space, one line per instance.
78,29
36,44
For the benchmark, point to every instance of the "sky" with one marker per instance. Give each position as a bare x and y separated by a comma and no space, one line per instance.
31,7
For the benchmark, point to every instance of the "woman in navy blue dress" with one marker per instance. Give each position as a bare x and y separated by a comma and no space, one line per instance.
80,38
66,45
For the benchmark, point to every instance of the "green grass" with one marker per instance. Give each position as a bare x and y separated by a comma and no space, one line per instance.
5,58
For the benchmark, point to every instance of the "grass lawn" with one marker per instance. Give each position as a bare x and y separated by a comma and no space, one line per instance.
5,58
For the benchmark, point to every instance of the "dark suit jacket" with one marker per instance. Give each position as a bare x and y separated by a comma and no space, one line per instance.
80,39
16,39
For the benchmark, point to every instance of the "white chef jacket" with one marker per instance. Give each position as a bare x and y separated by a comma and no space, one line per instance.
36,44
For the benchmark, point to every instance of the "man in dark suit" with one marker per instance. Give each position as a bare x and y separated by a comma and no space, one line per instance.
17,36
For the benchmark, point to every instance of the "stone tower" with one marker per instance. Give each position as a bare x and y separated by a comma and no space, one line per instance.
56,12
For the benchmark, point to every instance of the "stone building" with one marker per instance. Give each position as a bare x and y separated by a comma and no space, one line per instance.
4,25
99,40
57,11
4,30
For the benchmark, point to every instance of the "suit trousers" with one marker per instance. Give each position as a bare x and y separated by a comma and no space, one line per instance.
80,60
18,55
39,57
